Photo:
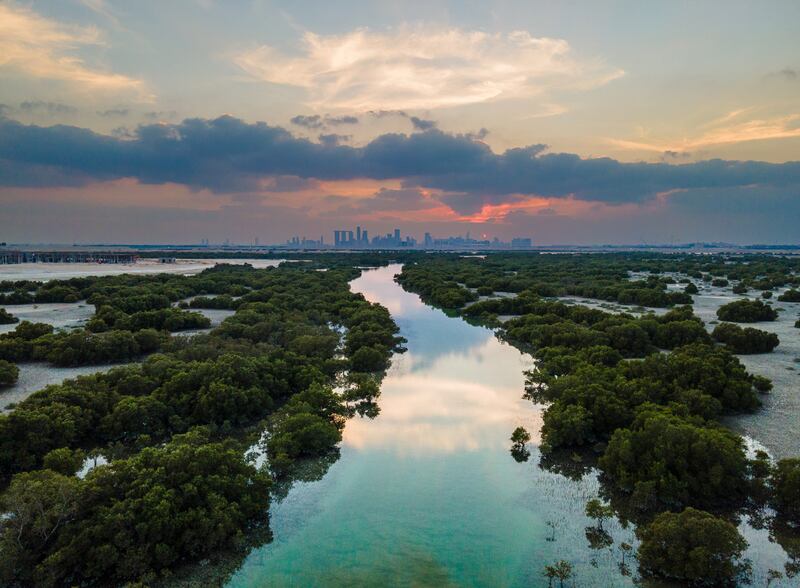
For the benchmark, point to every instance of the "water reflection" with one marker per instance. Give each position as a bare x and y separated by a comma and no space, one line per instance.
460,401
457,388
427,494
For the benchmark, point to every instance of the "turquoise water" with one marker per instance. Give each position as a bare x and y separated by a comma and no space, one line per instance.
427,493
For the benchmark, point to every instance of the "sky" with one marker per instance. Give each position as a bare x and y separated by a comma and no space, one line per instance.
571,122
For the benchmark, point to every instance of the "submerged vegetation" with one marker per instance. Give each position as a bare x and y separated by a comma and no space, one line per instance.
180,483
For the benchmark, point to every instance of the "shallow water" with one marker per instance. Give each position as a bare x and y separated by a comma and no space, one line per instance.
63,271
775,425
427,494
66,315
34,376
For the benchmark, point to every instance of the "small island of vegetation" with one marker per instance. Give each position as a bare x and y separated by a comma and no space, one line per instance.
745,340
746,311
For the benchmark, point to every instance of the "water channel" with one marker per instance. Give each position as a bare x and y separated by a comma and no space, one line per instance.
427,493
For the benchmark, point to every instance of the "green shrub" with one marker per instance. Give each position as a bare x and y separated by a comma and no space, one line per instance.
693,547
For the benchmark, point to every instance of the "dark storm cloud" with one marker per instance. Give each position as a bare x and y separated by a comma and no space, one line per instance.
229,155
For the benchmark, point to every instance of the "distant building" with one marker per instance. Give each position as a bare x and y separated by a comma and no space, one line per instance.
360,239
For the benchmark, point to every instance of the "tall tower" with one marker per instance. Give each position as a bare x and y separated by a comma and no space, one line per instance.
397,236
358,234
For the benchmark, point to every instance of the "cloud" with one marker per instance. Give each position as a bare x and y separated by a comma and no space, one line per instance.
730,128
421,124
161,115
789,73
315,121
424,68
309,122
740,200
387,200
49,108
385,113
41,48
675,155
290,184
333,139
341,120
479,135
228,155
114,112
101,7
